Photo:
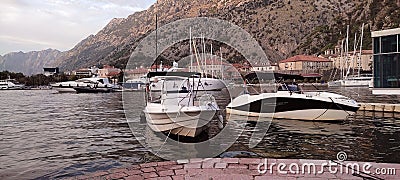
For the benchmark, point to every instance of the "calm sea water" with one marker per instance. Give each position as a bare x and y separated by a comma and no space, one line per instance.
50,135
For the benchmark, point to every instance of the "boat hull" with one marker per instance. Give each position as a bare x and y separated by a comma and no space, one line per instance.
313,107
188,121
92,90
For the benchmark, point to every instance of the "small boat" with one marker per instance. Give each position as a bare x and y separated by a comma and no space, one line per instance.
134,84
92,89
179,110
200,83
356,81
11,84
71,86
289,102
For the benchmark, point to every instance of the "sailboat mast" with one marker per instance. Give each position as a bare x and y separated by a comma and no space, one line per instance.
361,44
212,61
190,49
222,69
204,57
156,33
346,52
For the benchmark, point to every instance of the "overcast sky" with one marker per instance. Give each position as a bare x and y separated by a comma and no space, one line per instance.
27,25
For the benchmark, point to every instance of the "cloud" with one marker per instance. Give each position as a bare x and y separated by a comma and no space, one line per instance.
31,24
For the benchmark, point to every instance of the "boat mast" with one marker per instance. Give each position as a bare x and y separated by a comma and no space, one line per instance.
212,62
222,69
361,44
204,57
346,53
156,33
190,49
354,55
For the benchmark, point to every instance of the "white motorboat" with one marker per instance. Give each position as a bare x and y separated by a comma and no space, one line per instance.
11,84
69,86
362,80
290,103
200,84
138,84
179,111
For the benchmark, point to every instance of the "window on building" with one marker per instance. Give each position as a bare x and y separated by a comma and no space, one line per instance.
389,44
377,45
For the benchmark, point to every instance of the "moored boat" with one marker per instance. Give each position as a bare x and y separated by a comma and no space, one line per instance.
11,84
291,103
71,86
179,110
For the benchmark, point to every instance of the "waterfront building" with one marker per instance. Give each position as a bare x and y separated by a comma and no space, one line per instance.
108,71
135,73
305,64
264,67
50,71
353,60
386,61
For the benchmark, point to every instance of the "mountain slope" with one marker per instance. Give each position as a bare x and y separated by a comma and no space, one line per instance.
282,27
29,63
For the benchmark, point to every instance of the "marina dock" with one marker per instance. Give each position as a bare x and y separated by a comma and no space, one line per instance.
243,168
380,107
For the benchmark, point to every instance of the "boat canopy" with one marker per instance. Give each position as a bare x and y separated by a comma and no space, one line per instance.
163,73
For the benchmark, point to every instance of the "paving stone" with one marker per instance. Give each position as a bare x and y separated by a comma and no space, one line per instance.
166,173
172,167
240,171
215,160
149,169
178,177
182,161
150,175
133,172
230,168
167,163
192,165
134,177
196,160
230,160
221,165
180,171
133,167
207,165
152,164
238,166
249,161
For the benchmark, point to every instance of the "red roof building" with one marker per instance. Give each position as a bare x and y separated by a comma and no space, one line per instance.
305,63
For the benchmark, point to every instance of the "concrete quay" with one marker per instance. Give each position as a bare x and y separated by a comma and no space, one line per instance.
380,107
248,168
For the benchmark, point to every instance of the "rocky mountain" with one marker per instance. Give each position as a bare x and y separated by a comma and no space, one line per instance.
282,27
29,63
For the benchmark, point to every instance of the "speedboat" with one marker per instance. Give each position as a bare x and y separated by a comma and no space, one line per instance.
84,83
200,84
134,84
179,110
11,84
291,103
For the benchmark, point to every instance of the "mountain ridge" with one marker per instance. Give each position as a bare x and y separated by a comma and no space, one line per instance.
282,27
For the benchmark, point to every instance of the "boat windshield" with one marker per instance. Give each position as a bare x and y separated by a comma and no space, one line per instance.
288,87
